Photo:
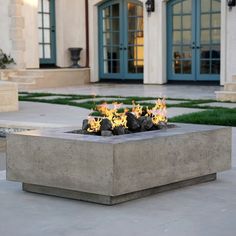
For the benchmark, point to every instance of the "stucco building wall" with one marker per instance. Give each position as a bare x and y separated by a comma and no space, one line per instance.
230,44
5,43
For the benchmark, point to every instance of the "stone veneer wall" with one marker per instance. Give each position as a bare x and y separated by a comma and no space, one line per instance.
16,32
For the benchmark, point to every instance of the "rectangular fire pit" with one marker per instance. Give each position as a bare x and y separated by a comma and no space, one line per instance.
111,170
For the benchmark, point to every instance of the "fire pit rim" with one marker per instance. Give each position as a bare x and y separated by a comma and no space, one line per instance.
65,133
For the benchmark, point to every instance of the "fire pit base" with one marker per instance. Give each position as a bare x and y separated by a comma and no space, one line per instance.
110,170
113,200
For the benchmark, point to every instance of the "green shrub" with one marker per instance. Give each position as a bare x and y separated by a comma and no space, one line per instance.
5,60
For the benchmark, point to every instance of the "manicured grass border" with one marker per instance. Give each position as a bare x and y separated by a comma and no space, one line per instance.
221,116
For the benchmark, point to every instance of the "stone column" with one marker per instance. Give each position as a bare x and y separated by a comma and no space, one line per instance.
16,33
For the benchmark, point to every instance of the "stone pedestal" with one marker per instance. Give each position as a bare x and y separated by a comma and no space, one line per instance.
8,96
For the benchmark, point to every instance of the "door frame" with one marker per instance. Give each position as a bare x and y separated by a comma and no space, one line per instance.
196,54
123,38
52,60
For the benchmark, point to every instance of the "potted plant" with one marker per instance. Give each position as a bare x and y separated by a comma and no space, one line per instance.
5,60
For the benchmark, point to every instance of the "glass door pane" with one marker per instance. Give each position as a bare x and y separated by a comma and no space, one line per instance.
135,41
182,38
111,38
210,37
46,31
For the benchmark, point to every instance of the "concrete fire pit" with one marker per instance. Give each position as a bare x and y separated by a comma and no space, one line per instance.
111,170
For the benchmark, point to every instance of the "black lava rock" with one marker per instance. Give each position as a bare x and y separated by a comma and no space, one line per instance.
85,125
132,122
106,125
120,130
145,123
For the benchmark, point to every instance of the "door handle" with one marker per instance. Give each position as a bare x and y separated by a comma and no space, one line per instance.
198,47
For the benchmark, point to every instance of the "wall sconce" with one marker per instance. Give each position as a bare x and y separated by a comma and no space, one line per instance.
150,6
231,3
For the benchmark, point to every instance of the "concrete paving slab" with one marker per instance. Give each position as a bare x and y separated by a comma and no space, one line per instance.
219,104
102,99
51,97
170,102
176,111
208,210
141,90
41,114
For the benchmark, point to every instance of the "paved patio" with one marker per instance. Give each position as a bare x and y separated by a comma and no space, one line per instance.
207,209
172,91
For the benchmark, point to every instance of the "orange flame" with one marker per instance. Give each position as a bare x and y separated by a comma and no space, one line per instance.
117,119
94,124
137,109
159,112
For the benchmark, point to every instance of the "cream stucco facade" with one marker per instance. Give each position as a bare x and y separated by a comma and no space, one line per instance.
19,36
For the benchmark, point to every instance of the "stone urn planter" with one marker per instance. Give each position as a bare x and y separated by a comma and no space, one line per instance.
75,56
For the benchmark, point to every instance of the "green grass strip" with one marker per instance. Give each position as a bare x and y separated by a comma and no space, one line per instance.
221,116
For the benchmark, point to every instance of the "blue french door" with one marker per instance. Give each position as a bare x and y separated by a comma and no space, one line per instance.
121,40
46,30
193,40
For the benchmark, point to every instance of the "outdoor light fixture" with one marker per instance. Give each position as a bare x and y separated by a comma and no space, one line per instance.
150,6
231,3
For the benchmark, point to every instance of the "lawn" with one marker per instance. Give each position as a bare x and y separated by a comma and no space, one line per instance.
211,115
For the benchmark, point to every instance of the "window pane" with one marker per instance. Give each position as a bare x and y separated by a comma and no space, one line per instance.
216,20
46,19
115,10
205,5
205,36
205,21
205,52
176,52
46,6
187,35
106,12
115,24
106,38
177,67
205,67
176,37
215,36
47,49
106,24
187,6
40,51
177,8
40,5
215,52
40,35
216,5
215,67
40,20
187,67
46,36
177,22
187,21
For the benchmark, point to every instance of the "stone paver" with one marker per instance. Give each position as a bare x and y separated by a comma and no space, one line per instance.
171,91
176,111
48,114
170,102
51,97
97,99
219,104
207,209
